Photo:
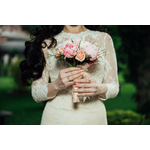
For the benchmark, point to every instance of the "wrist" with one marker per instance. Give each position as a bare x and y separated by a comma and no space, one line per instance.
102,90
55,85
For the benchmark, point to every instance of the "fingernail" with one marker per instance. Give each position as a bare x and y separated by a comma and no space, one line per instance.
76,93
76,89
81,71
76,80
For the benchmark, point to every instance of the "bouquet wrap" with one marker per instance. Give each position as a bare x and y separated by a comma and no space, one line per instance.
85,75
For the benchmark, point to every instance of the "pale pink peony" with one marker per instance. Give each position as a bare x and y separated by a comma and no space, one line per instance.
69,53
92,51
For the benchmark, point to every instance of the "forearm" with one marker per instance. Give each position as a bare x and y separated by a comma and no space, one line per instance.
102,90
108,90
44,92
52,89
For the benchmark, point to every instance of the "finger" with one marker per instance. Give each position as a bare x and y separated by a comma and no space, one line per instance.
93,80
86,85
69,74
69,83
70,69
64,81
85,90
82,81
83,85
85,94
75,76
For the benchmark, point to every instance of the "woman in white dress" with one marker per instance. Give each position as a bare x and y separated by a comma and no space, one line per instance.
103,84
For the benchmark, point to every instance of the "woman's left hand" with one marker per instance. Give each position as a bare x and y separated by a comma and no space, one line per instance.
86,87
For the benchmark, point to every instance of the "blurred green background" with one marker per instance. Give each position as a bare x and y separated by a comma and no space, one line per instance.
130,107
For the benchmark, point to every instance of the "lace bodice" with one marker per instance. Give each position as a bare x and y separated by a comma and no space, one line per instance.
105,71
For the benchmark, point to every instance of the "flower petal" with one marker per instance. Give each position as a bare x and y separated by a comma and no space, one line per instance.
80,56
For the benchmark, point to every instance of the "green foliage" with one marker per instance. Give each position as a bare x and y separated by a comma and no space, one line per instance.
145,108
29,27
3,68
14,52
135,39
15,72
7,83
25,110
135,46
122,117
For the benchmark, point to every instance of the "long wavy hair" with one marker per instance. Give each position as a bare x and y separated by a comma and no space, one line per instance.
32,67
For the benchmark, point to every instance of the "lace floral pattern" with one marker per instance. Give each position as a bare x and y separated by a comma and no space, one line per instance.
104,72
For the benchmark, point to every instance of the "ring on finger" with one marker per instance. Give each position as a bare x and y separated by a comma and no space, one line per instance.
68,78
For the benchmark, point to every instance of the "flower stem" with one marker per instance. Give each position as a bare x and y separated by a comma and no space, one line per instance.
74,62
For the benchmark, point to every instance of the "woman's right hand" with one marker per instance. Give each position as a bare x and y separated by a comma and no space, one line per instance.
66,77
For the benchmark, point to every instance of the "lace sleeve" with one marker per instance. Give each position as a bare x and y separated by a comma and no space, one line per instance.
111,75
39,88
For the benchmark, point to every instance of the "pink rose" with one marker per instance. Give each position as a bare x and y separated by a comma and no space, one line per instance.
69,53
92,51
72,46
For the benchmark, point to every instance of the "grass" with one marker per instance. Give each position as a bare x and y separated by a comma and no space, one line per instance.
124,99
27,112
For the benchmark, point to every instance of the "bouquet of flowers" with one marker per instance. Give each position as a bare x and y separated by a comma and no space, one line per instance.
77,53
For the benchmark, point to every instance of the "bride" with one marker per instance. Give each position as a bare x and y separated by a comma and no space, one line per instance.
103,83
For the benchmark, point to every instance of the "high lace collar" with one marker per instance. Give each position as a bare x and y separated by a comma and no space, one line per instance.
75,34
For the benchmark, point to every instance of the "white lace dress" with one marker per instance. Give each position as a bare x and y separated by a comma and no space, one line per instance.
60,110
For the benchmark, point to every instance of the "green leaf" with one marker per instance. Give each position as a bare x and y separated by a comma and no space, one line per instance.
72,40
79,43
69,64
86,56
50,55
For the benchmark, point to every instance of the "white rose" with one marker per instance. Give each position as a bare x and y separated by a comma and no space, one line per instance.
84,43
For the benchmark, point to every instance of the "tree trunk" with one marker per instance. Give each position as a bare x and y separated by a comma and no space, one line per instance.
143,82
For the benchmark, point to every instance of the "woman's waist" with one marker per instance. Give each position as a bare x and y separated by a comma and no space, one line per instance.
64,101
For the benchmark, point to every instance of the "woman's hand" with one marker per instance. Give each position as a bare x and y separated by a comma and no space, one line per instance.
86,87
66,77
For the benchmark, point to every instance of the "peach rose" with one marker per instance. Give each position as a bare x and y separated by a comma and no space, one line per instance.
59,52
80,56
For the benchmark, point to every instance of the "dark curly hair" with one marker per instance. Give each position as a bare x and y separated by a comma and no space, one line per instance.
32,67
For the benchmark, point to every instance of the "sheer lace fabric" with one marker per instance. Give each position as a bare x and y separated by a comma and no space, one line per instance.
59,108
